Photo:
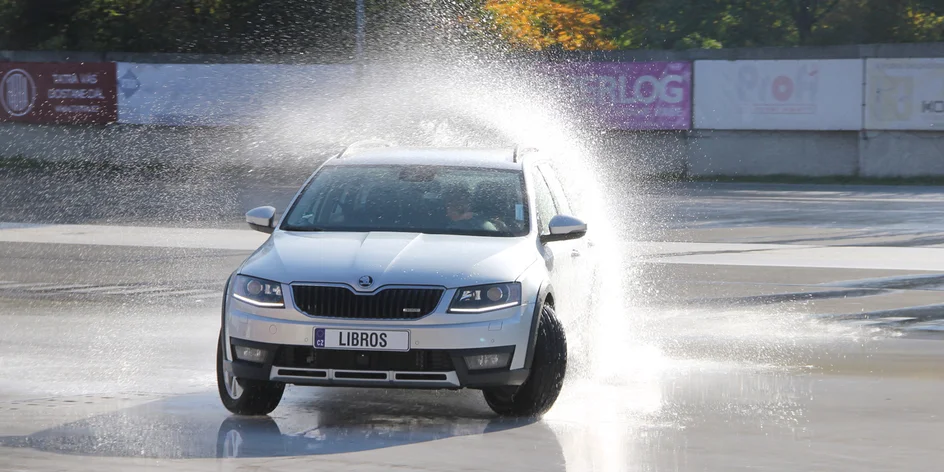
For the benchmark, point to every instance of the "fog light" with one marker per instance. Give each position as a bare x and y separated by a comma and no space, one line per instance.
488,361
250,354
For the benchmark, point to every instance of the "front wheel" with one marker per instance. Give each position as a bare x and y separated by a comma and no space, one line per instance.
240,437
245,396
538,394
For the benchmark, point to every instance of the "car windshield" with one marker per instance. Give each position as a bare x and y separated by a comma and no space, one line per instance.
409,198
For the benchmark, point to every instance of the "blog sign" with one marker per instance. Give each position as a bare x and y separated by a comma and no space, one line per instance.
628,95
779,95
58,93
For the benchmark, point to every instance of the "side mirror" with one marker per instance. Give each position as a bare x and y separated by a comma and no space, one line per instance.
565,228
261,219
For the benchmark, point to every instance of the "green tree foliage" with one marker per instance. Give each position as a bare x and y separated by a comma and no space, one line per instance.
327,27
671,24
209,26
882,21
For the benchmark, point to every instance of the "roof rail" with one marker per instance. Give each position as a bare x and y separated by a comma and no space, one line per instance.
364,144
520,151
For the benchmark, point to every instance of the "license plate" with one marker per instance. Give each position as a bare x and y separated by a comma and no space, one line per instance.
362,339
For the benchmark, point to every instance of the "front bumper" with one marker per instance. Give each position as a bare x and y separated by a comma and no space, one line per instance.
302,366
435,359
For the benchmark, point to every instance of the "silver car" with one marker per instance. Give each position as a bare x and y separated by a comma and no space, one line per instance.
401,267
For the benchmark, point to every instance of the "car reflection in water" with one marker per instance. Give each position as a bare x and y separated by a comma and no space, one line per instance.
337,421
241,437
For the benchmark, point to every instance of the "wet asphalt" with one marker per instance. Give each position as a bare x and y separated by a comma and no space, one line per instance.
764,327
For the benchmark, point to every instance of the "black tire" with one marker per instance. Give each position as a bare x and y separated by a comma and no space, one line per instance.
548,368
258,397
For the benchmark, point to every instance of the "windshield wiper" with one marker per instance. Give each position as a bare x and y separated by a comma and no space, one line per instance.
303,228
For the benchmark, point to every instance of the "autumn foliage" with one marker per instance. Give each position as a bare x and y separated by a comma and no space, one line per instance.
542,24
325,30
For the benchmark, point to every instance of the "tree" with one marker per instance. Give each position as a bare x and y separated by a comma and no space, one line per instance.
684,24
880,21
543,24
49,23
807,13
923,23
324,29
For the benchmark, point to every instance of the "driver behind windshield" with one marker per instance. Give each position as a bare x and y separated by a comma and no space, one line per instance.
458,202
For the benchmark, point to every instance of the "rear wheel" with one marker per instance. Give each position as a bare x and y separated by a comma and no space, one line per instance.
538,394
245,396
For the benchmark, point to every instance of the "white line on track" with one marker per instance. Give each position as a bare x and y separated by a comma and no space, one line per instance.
26,285
880,321
86,289
933,325
135,291
107,288
195,293
791,255
134,236
54,288
740,254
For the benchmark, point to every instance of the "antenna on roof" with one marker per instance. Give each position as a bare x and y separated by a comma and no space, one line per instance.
520,151
364,144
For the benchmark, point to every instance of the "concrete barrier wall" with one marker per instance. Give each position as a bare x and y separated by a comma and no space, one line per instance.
809,153
806,153
697,153
646,153
141,145
901,153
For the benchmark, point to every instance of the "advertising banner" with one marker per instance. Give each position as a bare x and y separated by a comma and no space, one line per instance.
58,93
904,94
629,95
223,94
779,95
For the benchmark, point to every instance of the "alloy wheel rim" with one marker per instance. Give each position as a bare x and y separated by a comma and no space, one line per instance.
233,388
232,444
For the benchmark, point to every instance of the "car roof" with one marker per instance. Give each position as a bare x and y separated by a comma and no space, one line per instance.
490,158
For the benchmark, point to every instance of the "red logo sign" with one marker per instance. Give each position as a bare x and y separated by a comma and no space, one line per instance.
762,91
58,93
17,92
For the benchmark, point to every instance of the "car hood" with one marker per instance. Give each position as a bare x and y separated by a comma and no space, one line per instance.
390,259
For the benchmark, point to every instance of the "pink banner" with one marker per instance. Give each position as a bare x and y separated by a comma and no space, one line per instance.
629,95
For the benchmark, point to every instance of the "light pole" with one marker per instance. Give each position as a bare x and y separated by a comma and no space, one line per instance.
359,55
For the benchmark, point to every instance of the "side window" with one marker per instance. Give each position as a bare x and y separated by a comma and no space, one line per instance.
557,190
543,201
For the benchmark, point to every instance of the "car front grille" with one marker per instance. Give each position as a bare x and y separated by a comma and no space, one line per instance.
417,360
388,304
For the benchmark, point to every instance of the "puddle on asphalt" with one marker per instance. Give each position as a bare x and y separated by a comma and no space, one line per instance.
590,423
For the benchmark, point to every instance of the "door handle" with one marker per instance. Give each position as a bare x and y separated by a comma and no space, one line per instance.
574,253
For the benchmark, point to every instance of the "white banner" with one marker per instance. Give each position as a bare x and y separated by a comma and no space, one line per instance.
905,94
224,94
779,95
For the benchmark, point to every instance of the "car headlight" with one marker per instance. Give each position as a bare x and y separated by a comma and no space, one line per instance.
258,292
483,298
